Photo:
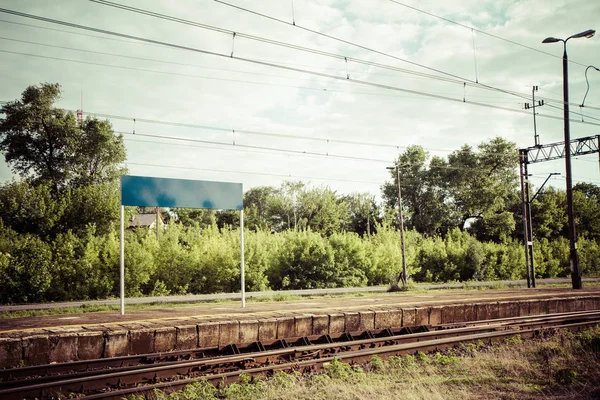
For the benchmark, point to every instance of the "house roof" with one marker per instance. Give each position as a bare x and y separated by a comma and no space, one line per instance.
144,220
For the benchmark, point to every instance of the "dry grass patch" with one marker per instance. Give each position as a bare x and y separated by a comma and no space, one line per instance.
559,366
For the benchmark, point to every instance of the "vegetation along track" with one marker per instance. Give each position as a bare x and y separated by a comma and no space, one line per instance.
118,377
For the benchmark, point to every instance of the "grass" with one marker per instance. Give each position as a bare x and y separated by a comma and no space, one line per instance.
276,297
563,366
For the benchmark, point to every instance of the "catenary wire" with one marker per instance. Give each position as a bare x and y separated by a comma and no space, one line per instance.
457,79
254,173
480,31
461,79
202,67
415,93
154,43
258,62
269,64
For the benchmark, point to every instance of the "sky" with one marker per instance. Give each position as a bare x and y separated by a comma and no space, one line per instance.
258,111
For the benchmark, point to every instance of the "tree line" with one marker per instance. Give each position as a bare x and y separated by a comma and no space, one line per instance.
59,221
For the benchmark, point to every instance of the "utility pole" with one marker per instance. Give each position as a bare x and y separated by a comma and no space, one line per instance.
536,137
403,276
573,256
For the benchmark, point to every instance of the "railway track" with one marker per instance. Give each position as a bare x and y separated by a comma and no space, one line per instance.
118,377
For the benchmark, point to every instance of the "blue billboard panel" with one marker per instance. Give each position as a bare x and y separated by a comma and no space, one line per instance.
165,192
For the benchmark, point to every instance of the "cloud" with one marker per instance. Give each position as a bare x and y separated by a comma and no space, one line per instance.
235,95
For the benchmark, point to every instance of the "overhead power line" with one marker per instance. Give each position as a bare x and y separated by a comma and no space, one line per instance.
574,112
274,65
453,78
323,89
246,131
255,173
480,31
456,79
256,147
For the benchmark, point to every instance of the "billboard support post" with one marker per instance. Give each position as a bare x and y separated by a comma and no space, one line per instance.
242,267
122,263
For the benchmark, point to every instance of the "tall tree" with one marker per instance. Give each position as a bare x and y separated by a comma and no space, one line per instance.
44,143
471,190
68,171
320,210
363,213
483,184
424,192
257,207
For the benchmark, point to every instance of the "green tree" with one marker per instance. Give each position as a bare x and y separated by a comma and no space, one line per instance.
586,202
284,206
45,144
482,184
363,213
549,216
257,207
320,210
30,208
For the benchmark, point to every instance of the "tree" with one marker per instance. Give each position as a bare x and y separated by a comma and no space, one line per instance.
320,210
68,171
471,190
257,207
482,184
45,145
363,213
549,215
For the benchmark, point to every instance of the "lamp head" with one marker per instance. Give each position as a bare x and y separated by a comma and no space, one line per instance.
551,40
588,34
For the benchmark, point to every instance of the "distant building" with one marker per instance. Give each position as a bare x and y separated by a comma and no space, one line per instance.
147,221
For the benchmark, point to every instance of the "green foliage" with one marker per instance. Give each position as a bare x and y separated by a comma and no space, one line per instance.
29,208
59,239
337,369
516,339
244,389
79,270
25,268
46,145
305,262
444,359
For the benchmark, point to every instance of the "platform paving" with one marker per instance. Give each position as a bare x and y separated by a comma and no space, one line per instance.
58,338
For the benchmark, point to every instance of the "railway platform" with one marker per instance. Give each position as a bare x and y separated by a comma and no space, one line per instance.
67,337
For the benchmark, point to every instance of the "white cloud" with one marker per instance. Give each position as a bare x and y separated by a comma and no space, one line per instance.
300,104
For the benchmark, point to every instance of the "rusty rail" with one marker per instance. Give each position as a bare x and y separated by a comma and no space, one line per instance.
304,355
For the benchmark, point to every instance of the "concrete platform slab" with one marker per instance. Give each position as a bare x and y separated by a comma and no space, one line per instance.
40,340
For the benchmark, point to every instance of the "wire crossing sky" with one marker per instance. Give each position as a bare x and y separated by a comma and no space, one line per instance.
325,93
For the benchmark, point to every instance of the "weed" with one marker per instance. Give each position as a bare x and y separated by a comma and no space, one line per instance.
283,380
244,389
422,357
443,359
516,339
377,364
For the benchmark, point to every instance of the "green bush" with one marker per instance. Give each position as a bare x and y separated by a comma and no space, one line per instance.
305,261
25,269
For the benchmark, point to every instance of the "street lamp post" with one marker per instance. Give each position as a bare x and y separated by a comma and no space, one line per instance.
404,276
573,257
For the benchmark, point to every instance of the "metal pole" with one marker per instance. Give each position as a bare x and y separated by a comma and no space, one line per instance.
573,257
242,272
536,138
122,263
404,276
157,212
523,160
529,226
